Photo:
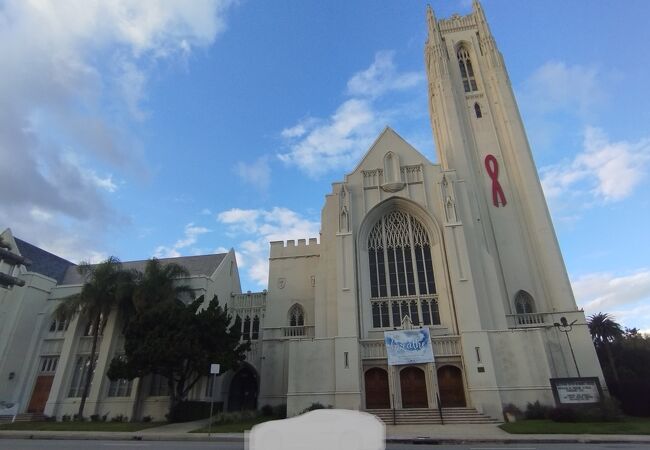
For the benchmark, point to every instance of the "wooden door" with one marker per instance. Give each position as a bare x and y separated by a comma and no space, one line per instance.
40,394
450,385
414,388
377,392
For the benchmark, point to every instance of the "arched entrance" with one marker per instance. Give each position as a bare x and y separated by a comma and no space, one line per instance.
414,388
450,385
242,394
377,392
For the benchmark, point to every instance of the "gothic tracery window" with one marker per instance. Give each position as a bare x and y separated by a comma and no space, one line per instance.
466,70
524,303
296,316
401,272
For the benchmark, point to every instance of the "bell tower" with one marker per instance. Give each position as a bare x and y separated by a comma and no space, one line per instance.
479,134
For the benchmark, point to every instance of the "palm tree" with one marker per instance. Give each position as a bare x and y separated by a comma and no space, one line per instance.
107,286
605,330
159,285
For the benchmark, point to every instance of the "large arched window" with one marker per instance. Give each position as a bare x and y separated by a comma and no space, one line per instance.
466,70
401,272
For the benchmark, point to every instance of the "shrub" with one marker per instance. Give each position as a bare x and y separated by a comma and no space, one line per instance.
94,418
280,411
513,410
315,406
192,410
267,410
105,417
119,418
146,419
537,411
65,418
234,417
563,414
78,418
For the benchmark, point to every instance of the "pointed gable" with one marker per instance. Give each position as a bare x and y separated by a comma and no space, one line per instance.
387,142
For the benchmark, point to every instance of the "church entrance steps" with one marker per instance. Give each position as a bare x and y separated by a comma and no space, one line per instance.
27,417
416,416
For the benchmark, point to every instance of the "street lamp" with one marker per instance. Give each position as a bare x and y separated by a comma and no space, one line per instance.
566,327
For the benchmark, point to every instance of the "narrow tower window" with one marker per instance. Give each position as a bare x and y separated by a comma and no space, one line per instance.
466,70
477,110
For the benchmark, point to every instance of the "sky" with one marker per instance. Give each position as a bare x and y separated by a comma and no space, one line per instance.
165,127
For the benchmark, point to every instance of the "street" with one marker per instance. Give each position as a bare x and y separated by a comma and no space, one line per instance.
31,444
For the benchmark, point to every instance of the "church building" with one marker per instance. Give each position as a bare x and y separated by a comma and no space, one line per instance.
463,250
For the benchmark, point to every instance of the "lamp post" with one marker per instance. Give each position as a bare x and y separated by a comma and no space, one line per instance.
565,327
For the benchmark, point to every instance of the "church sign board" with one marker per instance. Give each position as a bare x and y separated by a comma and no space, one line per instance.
576,391
408,346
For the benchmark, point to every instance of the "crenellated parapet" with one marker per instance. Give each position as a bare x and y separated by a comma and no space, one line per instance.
457,23
301,248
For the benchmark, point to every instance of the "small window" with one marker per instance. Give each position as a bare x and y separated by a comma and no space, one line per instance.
159,386
247,327
477,110
48,364
120,388
256,328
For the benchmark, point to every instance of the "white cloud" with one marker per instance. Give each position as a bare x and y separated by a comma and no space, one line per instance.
256,174
74,79
558,86
317,145
626,297
606,170
190,237
381,77
258,227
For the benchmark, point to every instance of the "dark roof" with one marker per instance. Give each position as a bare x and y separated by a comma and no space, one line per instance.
44,262
195,265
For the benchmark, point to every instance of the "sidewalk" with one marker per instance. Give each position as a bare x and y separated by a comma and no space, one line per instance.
422,434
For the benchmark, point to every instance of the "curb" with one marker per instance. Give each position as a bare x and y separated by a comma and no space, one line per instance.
441,441
200,437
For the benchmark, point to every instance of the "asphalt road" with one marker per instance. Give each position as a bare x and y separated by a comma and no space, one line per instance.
29,444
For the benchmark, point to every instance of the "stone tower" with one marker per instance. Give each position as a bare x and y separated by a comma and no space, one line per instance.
479,133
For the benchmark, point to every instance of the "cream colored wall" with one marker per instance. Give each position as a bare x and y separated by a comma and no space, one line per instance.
21,321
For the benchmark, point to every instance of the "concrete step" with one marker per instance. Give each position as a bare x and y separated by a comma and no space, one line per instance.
30,417
432,416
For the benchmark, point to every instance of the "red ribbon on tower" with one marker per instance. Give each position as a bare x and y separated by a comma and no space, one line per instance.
492,167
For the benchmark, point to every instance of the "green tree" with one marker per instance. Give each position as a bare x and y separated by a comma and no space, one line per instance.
179,341
604,331
159,285
107,286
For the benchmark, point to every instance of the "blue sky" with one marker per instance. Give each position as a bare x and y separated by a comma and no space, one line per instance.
141,128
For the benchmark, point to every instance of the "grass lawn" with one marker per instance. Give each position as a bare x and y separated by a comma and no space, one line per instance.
79,426
631,425
238,427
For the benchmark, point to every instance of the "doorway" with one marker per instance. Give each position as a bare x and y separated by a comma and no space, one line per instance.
414,388
377,391
450,385
40,394
242,395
